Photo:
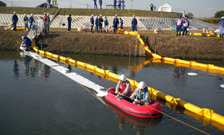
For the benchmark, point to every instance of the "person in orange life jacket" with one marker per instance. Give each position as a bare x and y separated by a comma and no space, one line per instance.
186,25
123,86
45,22
141,94
179,24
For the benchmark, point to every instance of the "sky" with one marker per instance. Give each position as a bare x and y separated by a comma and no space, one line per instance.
200,8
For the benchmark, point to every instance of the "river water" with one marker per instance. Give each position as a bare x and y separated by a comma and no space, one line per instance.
36,99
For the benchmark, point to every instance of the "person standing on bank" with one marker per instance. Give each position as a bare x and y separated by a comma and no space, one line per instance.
115,23
123,3
100,21
115,4
221,26
45,22
31,20
100,2
96,24
179,24
186,25
106,25
121,21
141,94
48,21
151,5
14,20
119,4
134,23
25,20
95,5
92,22
69,23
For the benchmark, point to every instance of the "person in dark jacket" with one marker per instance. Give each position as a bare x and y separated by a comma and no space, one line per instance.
221,26
14,20
95,5
26,42
119,4
100,21
69,23
106,25
115,23
48,21
25,20
186,25
92,22
96,24
100,2
31,20
134,23
121,21
115,4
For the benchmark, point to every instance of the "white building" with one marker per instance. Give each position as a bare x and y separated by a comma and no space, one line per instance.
165,8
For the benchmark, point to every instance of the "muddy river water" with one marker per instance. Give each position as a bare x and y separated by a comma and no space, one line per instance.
35,99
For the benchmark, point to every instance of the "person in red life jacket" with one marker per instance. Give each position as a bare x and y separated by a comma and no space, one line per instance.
141,94
45,22
123,86
179,24
186,25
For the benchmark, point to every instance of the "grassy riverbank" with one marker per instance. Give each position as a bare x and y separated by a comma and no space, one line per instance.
88,12
167,44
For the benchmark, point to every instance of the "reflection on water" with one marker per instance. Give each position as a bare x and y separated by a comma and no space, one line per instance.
202,90
33,67
134,123
179,77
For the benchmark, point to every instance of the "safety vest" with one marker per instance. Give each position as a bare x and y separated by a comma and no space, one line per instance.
139,94
122,88
179,21
45,19
186,23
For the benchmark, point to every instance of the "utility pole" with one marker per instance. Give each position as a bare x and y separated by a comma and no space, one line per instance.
70,4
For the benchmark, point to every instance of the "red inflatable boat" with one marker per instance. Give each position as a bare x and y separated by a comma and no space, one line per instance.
143,111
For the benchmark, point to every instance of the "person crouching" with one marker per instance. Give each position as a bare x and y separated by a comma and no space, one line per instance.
26,43
141,94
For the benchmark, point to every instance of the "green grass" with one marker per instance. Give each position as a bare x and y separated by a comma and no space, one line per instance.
210,20
88,12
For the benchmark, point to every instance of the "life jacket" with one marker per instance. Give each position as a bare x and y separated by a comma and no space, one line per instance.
45,19
122,88
139,93
186,23
179,21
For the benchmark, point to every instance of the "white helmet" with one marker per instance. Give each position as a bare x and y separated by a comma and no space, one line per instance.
133,15
222,17
141,85
115,14
48,14
31,14
96,16
100,14
23,37
122,77
24,14
92,15
44,13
